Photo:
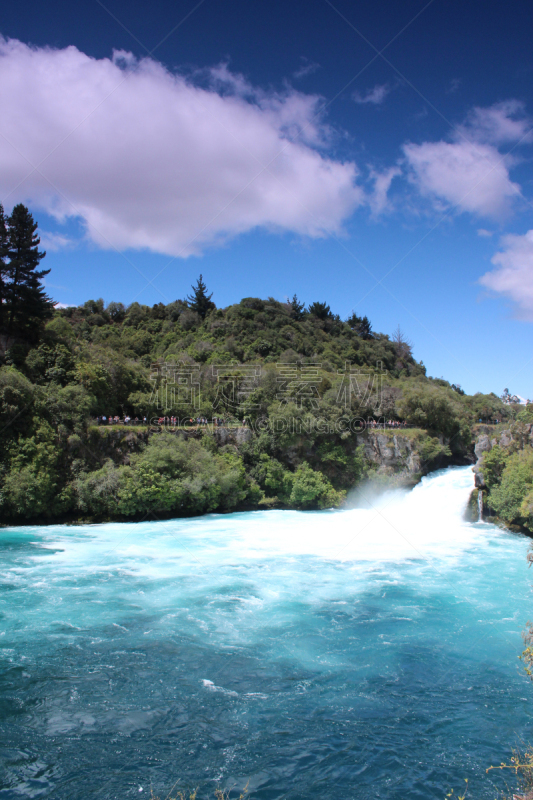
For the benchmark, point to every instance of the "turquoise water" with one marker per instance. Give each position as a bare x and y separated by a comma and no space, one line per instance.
350,654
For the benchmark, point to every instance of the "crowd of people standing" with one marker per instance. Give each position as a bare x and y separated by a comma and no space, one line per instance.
166,421
174,422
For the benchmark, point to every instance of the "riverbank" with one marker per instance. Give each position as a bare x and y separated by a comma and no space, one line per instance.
163,473
503,474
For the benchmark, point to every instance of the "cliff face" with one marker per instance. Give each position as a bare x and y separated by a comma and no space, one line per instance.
399,456
402,457
391,454
505,481
114,443
119,443
487,439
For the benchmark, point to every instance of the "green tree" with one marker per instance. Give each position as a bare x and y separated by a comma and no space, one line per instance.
511,499
4,253
116,311
16,400
360,325
320,310
199,300
313,490
26,302
30,486
297,308
273,478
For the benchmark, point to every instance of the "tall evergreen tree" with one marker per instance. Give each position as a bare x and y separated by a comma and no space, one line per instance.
199,300
361,326
320,310
27,304
4,253
297,308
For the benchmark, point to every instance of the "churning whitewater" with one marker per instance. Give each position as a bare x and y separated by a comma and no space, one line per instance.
356,653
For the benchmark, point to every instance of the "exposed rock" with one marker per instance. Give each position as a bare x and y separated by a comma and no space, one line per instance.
235,436
505,438
119,443
482,445
114,443
395,453
479,481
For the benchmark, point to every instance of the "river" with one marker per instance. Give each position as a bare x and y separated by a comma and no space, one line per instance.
362,653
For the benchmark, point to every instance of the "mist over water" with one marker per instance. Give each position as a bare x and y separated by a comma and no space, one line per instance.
363,653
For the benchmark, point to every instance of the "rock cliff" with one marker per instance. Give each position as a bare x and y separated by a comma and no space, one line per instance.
488,438
395,453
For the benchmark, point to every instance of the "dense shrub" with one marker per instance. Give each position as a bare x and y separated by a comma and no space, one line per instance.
512,497
97,360
311,489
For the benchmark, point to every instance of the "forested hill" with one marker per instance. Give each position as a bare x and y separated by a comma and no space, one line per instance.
291,384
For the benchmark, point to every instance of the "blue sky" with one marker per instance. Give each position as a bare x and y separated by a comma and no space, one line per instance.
376,156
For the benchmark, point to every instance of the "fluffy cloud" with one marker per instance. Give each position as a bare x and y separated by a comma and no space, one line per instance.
307,68
501,123
469,172
149,159
375,96
513,276
471,177
378,200
52,242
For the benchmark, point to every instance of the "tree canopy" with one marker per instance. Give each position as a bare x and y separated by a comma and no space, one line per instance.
24,304
199,300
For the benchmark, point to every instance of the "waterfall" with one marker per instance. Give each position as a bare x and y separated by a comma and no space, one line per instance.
480,505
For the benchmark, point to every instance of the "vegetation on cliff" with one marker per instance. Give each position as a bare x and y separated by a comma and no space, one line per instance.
506,467
301,377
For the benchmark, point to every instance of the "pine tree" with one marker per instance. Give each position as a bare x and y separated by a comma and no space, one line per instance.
4,252
199,300
320,310
361,326
26,304
297,308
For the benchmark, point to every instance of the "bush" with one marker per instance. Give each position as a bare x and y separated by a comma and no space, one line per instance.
273,478
97,492
171,475
311,489
31,482
16,400
511,499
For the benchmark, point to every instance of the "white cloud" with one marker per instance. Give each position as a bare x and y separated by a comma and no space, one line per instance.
471,177
379,198
513,276
484,233
148,159
469,172
375,96
52,242
455,83
501,123
307,68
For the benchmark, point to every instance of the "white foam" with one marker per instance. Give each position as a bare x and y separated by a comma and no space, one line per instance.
423,524
210,686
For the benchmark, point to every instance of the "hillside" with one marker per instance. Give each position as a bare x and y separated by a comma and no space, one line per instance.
299,384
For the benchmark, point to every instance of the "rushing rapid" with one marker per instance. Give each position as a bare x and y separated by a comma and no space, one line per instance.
364,652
